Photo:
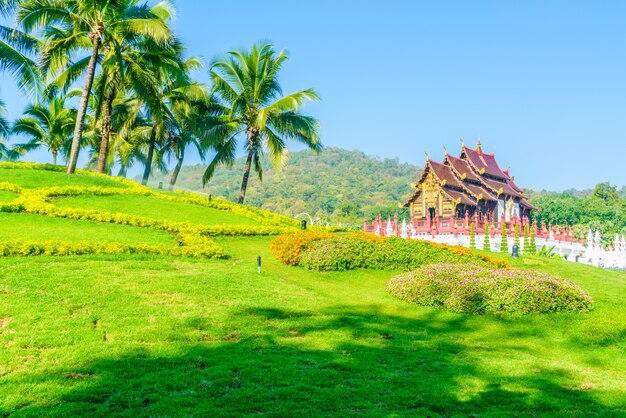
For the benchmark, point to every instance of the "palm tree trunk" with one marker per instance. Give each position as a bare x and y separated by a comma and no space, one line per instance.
106,133
246,170
54,157
176,171
148,168
82,107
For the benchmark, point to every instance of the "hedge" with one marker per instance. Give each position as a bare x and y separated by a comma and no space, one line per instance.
194,247
330,252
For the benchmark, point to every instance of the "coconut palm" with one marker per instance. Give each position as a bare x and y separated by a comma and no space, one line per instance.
174,95
17,53
250,104
72,26
48,125
183,127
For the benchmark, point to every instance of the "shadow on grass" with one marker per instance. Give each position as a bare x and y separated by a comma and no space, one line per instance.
341,361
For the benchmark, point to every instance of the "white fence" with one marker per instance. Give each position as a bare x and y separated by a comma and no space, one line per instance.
590,253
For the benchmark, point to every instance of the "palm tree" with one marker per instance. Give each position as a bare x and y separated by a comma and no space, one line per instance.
174,94
5,151
17,52
183,127
48,125
71,26
250,101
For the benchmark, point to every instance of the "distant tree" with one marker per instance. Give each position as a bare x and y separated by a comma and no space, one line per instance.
47,125
486,240
516,238
251,104
504,242
606,192
472,242
532,248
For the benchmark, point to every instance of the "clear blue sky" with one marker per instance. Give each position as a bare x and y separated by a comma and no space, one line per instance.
543,82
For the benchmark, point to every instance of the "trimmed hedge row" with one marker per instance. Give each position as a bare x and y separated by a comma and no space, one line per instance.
194,248
329,252
473,289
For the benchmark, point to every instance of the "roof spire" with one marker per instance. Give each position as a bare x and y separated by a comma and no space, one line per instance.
462,142
427,157
445,150
478,148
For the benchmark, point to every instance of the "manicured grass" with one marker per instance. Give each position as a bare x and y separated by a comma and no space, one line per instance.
20,226
157,208
162,336
7,196
44,178
138,335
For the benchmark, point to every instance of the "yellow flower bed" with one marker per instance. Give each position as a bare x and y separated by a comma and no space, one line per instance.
192,239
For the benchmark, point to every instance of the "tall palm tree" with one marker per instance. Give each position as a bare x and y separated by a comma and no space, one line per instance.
250,102
71,26
48,125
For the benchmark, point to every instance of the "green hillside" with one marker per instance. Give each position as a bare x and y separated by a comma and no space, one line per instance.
165,314
335,185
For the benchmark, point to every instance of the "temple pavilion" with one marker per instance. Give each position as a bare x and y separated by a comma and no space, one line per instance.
471,185
467,191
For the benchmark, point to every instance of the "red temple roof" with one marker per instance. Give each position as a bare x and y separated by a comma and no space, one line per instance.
461,167
444,173
500,187
460,196
479,191
482,161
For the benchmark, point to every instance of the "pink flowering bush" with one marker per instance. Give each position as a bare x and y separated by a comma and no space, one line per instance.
467,288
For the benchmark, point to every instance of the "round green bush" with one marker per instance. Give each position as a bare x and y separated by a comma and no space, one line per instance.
467,288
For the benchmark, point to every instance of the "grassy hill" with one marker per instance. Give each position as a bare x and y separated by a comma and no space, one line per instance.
335,185
151,330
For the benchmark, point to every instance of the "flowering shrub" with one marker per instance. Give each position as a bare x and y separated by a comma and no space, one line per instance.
467,288
197,248
287,247
389,254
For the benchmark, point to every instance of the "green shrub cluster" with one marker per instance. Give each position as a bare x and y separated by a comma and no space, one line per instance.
335,253
467,288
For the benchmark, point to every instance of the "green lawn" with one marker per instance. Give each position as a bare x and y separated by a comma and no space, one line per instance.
43,178
20,226
157,208
6,196
164,336
138,335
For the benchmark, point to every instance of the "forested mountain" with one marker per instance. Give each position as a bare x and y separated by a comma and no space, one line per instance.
335,185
